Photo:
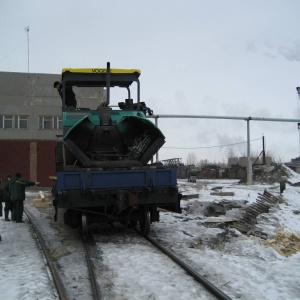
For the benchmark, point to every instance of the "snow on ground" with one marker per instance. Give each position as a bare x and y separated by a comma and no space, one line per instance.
152,270
244,267
23,271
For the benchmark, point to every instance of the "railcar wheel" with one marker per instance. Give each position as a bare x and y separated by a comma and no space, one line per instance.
66,217
144,222
133,224
84,226
72,218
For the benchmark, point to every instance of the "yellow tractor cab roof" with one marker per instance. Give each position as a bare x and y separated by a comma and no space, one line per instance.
100,76
102,71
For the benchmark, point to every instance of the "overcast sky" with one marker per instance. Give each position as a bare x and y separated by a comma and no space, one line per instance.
220,58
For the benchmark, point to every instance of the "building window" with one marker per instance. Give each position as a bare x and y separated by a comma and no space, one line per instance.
13,122
49,123
57,123
21,122
8,122
45,123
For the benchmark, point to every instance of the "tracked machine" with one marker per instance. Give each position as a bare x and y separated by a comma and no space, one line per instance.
104,161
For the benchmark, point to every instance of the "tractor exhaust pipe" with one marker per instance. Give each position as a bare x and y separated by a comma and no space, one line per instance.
108,83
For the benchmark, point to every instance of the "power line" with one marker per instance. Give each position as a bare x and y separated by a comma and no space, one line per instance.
207,147
12,51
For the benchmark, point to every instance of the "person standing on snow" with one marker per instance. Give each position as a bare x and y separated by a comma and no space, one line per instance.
7,199
17,187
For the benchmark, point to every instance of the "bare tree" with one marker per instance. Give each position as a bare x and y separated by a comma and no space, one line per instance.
191,159
274,157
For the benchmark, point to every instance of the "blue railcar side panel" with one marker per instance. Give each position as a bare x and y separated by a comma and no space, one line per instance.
121,179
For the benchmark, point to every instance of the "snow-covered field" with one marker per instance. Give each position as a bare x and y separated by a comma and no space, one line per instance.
244,267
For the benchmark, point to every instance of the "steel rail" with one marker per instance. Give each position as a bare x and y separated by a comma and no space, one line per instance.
95,289
53,269
207,284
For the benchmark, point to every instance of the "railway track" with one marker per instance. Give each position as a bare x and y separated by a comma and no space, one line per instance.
64,289
93,277
130,250
51,264
192,272
127,248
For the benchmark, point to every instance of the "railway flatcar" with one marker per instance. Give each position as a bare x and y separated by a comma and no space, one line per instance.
104,160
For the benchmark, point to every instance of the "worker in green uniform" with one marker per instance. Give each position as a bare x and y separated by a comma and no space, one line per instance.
17,187
7,199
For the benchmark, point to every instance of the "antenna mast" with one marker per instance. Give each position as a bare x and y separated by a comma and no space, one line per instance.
27,30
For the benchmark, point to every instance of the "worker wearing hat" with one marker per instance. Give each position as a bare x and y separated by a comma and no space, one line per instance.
70,102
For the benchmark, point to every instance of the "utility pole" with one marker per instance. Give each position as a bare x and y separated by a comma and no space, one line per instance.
27,30
264,153
249,161
298,92
157,155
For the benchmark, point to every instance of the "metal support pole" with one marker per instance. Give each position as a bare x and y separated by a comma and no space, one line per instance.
156,124
249,165
299,137
27,30
249,171
298,92
264,152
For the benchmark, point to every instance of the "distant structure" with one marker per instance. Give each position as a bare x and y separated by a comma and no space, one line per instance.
243,161
296,160
172,162
176,162
294,164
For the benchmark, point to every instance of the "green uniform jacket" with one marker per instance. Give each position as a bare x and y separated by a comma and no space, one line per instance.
2,195
17,188
6,192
